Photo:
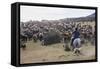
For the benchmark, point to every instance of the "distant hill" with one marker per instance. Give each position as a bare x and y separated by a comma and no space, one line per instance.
92,15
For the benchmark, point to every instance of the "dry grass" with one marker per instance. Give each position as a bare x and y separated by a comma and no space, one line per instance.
35,53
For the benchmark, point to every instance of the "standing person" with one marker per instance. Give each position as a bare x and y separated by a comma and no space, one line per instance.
75,42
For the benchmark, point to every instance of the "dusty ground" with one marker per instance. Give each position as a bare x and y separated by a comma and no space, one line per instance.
35,53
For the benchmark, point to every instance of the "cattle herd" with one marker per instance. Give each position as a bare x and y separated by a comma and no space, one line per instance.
55,31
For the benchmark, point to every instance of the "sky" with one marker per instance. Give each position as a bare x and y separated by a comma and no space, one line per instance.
39,13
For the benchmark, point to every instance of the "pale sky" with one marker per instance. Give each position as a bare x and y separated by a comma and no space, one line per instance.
51,13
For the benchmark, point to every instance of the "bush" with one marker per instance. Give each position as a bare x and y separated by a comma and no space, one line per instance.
51,38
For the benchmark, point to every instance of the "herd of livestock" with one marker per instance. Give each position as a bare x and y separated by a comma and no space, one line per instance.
51,32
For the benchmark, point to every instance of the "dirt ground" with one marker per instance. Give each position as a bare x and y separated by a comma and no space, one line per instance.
36,53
